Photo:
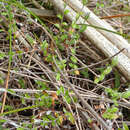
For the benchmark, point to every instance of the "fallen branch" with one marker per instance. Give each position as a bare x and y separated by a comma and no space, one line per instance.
42,12
115,39
99,40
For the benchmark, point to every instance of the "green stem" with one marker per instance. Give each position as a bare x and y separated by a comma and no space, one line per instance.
17,110
124,35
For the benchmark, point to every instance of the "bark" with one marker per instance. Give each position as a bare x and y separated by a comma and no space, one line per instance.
115,39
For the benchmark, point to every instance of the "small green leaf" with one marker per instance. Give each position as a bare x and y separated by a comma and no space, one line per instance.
114,62
75,66
64,24
75,26
117,80
113,109
20,128
83,28
52,118
126,94
96,80
57,25
64,110
11,91
49,58
71,65
4,13
97,5
2,55
1,30
20,53
102,5
27,95
2,120
68,99
1,81
101,77
109,90
60,120
84,2
77,16
85,73
70,117
73,51
42,85
58,76
89,120
72,41
53,123
60,16
23,101
66,11
44,47
64,36
58,92
125,127
30,39
107,70
73,59
21,82
87,16
62,89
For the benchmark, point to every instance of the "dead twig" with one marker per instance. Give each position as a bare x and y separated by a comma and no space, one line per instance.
86,105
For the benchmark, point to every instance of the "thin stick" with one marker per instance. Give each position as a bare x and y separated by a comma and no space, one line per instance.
103,61
115,16
5,93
